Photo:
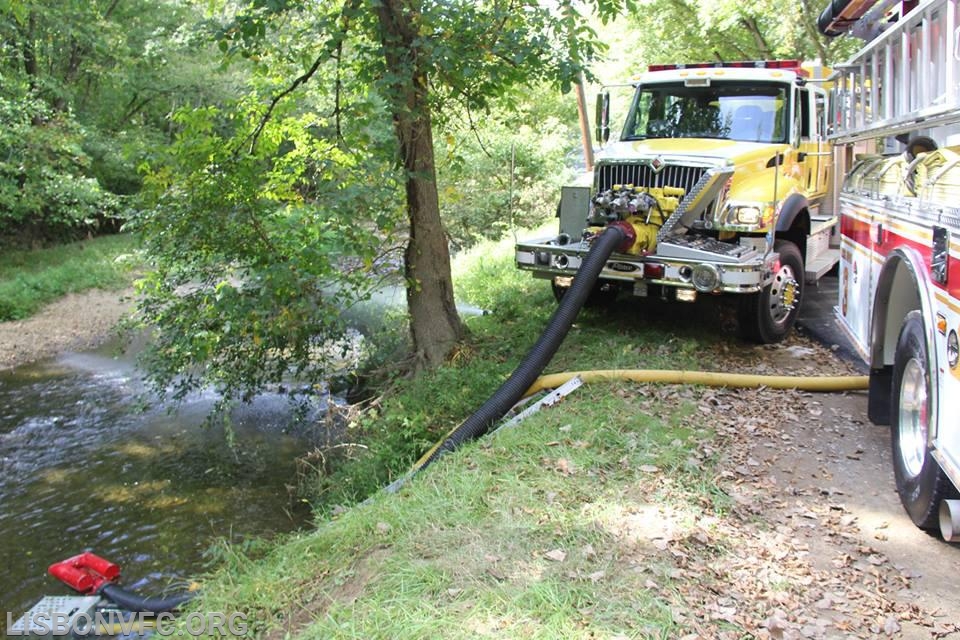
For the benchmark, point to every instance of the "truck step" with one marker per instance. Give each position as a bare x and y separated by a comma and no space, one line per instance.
823,263
820,224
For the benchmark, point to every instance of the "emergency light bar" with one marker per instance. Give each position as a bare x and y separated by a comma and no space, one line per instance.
790,65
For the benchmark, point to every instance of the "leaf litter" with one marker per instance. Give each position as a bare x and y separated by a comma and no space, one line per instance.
785,561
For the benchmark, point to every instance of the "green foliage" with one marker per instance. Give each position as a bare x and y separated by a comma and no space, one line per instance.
704,30
87,88
31,279
270,213
255,254
505,169
46,192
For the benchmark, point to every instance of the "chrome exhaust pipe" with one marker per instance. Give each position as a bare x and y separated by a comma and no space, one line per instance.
950,520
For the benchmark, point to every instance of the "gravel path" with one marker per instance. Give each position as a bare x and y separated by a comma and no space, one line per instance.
77,321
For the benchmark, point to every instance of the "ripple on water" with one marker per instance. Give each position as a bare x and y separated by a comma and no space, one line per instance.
82,467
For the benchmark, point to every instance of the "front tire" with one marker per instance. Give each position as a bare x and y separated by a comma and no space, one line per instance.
921,483
767,317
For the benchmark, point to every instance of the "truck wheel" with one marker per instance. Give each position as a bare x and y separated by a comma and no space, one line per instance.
602,295
768,316
920,481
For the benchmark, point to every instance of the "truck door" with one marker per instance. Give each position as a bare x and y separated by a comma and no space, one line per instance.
824,150
812,121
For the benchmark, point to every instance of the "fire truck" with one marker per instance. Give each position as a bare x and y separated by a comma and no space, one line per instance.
721,178
895,126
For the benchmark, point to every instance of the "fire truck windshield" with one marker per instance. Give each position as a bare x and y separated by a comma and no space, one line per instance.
747,111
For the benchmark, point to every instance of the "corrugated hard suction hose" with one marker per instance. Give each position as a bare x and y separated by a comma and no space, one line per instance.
511,391
134,602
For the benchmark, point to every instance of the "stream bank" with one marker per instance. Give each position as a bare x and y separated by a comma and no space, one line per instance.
75,322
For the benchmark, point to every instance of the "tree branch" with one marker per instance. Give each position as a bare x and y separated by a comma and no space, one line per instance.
810,27
337,91
333,45
111,8
265,118
750,24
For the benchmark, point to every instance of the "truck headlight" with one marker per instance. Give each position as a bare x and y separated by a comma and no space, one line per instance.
748,215
744,215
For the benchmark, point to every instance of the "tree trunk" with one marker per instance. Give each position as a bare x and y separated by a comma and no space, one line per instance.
29,53
434,324
809,15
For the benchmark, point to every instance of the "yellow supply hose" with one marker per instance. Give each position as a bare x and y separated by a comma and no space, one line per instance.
704,378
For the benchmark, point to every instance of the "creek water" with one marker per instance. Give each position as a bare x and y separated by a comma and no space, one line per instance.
83,466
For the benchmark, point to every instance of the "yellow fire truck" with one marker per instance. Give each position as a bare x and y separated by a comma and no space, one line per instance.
720,177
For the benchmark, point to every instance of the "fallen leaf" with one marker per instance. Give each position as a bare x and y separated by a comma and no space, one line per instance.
556,555
891,626
564,466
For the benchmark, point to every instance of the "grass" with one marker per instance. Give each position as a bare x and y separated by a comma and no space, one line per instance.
535,532
546,530
30,279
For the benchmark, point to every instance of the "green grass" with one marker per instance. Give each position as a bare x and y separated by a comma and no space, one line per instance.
30,279
530,533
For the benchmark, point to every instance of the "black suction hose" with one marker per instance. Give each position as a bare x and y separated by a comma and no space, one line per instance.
511,391
133,602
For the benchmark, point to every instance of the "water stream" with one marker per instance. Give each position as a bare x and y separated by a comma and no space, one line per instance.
82,466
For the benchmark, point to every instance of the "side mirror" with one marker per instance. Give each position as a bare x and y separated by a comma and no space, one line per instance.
603,117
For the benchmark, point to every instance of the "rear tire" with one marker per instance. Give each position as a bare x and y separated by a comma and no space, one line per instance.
921,482
767,317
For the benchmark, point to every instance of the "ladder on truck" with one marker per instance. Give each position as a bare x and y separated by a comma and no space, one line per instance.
905,78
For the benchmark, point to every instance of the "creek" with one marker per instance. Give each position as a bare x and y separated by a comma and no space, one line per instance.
84,466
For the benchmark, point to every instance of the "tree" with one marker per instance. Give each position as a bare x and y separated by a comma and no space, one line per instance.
243,172
87,86
703,30
434,323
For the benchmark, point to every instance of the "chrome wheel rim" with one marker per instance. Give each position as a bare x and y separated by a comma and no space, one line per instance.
784,294
913,420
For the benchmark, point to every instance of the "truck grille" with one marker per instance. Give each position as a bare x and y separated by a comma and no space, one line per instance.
642,175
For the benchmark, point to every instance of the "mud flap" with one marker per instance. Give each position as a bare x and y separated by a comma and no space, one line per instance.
879,398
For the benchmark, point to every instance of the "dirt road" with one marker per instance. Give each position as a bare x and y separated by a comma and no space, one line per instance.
823,548
843,451
820,474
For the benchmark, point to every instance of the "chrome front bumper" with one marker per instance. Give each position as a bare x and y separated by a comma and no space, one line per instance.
546,258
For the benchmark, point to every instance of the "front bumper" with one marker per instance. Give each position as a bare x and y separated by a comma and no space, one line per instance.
746,273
